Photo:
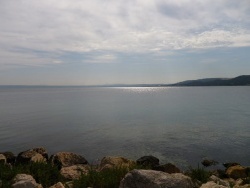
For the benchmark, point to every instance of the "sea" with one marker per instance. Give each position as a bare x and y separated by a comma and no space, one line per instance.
181,125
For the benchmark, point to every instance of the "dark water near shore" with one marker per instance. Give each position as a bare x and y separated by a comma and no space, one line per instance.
182,125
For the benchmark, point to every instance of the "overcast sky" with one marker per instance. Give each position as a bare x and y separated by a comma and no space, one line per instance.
85,42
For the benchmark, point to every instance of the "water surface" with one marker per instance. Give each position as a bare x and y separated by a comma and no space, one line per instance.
182,125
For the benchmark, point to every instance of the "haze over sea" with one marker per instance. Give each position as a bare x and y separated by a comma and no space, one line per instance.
182,125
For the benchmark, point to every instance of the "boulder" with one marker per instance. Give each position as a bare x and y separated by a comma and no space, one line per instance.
2,159
57,185
25,181
74,172
32,155
115,162
65,159
237,171
42,151
150,161
212,184
155,179
11,158
169,168
207,162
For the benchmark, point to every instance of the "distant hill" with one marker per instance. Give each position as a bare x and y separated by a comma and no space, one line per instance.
243,80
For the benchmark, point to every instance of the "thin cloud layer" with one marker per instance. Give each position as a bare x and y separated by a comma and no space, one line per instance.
116,26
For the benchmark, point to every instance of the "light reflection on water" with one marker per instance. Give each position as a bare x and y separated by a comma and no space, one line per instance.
179,125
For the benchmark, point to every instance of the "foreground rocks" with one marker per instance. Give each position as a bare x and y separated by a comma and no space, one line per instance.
155,179
72,166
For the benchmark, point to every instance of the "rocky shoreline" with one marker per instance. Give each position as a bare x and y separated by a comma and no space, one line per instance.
145,172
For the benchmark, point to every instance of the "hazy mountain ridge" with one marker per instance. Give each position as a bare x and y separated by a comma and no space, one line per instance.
242,80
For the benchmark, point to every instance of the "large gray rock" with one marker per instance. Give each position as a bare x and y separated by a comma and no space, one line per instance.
115,162
25,181
150,161
74,172
155,179
65,159
32,155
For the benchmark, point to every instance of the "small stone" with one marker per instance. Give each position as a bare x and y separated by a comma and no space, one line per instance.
2,159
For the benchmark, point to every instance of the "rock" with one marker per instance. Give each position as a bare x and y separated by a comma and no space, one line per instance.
65,159
150,161
2,159
115,162
219,181
58,185
207,162
211,184
236,172
169,168
25,181
11,158
32,155
227,165
74,172
155,179
42,151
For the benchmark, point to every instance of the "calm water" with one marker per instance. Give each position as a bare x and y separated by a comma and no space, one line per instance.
179,125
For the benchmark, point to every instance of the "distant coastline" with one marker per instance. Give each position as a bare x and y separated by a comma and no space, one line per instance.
243,80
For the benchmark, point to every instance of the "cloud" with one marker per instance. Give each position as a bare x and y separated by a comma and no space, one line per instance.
132,26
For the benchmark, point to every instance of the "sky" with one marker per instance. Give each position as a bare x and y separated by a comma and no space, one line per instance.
89,42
